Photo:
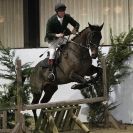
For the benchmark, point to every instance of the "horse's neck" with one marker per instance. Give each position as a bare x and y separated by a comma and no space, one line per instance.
81,38
78,42
77,51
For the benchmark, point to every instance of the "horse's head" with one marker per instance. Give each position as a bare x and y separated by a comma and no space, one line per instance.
93,39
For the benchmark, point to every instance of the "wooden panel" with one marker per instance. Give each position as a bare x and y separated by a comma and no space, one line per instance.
52,126
59,119
11,23
130,9
44,124
114,14
5,130
46,11
66,124
4,120
65,103
76,112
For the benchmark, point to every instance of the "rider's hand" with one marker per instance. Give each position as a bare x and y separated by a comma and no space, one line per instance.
74,31
59,35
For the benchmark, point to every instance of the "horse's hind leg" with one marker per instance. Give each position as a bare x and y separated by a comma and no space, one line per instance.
49,91
36,98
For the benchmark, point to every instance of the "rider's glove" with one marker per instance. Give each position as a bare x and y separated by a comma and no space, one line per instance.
59,35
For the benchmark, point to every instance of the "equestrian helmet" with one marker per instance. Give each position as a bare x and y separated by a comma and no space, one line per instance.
60,7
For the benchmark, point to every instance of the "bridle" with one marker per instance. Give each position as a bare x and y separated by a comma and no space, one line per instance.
79,44
89,42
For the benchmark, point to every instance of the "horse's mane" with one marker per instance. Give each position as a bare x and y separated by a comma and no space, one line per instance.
95,28
79,34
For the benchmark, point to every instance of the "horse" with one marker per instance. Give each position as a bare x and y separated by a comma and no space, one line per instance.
75,62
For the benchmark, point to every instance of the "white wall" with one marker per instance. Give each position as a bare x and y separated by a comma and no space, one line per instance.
123,93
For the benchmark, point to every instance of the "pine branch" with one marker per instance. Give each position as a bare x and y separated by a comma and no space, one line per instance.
9,72
129,38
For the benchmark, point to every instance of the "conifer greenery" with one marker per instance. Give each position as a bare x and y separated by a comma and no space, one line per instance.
119,52
8,90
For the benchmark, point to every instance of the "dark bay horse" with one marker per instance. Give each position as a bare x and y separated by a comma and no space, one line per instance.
75,63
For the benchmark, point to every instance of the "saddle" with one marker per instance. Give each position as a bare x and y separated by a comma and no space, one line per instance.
44,63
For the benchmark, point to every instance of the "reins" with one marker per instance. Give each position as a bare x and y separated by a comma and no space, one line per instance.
78,44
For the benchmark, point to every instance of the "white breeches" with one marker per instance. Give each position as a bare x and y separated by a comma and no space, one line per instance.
54,45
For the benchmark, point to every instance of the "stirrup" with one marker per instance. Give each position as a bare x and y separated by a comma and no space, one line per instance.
51,76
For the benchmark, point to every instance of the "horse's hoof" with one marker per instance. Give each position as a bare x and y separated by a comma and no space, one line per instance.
51,77
78,86
74,86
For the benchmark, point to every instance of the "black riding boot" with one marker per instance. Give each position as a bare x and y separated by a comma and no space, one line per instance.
51,75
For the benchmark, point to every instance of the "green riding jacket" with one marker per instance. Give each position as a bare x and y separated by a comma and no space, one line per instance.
54,26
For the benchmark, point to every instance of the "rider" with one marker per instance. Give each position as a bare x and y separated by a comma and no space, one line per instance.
56,30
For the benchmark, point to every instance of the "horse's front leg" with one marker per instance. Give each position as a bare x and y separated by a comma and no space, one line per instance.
91,70
77,78
95,70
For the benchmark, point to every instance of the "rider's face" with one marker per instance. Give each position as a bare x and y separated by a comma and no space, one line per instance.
61,13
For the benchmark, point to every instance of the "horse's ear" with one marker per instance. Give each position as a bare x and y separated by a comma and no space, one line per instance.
100,28
91,27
